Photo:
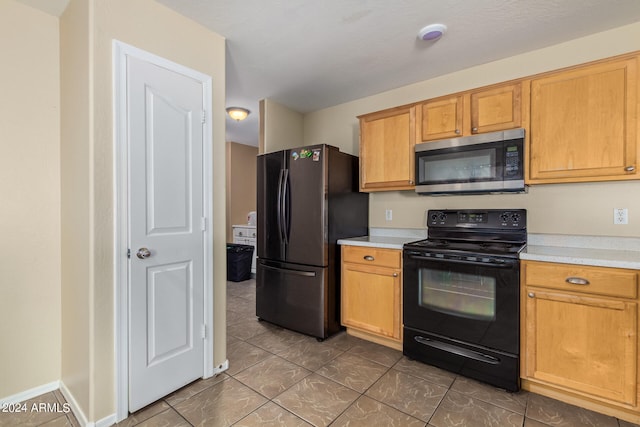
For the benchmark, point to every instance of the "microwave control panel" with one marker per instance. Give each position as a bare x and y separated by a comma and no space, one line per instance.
512,160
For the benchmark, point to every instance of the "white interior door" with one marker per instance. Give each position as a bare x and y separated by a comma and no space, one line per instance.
166,237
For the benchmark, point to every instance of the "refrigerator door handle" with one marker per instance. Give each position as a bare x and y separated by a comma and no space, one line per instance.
281,205
284,205
288,271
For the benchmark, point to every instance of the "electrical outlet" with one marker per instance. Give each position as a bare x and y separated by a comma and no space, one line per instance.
388,214
620,216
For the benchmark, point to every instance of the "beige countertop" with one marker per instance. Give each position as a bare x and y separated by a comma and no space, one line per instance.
377,241
600,251
387,238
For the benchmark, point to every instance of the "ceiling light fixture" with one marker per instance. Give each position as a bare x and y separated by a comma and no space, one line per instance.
237,113
432,32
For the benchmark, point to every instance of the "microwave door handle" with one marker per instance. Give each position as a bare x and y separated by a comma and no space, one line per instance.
506,264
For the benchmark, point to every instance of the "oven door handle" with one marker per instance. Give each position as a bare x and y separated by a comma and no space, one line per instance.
464,352
505,264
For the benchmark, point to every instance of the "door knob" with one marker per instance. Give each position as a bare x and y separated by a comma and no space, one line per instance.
143,253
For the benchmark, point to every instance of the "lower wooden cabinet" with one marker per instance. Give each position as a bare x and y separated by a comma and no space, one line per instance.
371,293
580,332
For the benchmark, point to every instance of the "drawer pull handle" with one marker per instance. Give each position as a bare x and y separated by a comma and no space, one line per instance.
577,281
368,258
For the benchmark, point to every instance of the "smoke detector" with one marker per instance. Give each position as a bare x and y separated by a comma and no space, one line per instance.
432,32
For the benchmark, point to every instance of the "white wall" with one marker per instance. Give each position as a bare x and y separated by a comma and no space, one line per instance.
241,184
88,28
281,127
30,192
75,148
585,209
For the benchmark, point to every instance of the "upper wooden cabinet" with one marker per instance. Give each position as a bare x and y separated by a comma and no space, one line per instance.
495,109
387,139
484,110
584,123
441,118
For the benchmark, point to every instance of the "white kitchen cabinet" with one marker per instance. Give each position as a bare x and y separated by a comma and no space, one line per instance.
247,235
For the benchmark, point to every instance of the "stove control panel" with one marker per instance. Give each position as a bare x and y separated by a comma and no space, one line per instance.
474,218
462,258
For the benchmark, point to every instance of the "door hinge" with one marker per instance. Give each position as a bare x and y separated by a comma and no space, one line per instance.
204,331
129,253
204,116
203,224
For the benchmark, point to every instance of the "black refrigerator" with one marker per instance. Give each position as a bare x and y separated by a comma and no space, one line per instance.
307,199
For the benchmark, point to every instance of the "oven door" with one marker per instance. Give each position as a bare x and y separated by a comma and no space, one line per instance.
468,301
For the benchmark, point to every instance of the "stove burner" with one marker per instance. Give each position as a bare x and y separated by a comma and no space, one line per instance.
454,234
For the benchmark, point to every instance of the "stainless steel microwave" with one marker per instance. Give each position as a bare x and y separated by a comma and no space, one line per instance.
485,163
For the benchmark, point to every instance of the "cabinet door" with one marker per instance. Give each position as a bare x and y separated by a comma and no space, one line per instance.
387,156
441,118
584,123
496,109
371,299
584,344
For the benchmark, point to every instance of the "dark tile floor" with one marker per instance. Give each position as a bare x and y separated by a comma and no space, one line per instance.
280,378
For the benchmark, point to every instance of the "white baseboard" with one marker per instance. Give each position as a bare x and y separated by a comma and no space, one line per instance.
31,393
75,408
73,404
109,420
106,421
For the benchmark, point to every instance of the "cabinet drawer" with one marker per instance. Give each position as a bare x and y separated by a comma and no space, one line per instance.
579,278
372,256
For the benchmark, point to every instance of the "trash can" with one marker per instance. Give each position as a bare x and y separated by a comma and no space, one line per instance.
239,259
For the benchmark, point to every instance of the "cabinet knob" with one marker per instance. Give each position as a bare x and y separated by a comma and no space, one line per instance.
410,182
457,131
395,274
474,130
630,168
368,258
531,295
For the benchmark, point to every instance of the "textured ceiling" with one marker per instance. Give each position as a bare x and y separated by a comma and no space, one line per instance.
312,54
